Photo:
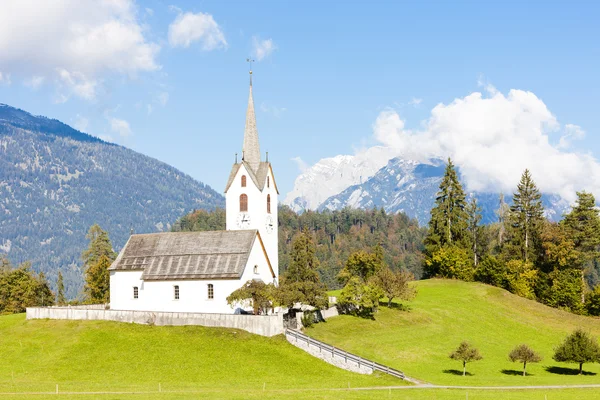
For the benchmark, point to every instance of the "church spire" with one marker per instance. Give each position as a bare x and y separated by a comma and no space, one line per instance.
251,149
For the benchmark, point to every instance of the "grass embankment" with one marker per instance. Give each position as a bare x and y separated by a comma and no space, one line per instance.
446,312
107,356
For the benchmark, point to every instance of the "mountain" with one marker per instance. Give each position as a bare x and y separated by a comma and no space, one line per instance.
409,186
55,182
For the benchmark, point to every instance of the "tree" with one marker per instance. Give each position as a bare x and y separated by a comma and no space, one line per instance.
394,285
592,302
359,298
475,230
491,271
96,259
450,262
521,277
448,223
362,265
582,225
524,354
259,293
502,212
465,353
21,288
579,347
97,281
60,286
526,215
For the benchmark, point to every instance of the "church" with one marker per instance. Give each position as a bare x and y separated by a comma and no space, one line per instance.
196,271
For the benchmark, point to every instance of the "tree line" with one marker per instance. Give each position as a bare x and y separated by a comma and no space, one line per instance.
523,252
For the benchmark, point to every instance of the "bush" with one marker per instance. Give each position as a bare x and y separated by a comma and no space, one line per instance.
308,319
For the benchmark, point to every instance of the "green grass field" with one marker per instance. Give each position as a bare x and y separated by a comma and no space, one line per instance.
446,312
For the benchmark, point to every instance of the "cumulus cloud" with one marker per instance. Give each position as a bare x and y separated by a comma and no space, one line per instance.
262,48
120,126
89,39
493,138
189,28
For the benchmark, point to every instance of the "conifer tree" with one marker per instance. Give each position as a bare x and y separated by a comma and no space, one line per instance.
582,226
449,220
526,216
502,212
60,286
474,228
97,258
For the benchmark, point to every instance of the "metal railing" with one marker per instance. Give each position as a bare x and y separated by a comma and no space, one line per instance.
334,351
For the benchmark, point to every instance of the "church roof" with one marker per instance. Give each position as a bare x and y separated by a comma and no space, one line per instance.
259,177
187,255
251,149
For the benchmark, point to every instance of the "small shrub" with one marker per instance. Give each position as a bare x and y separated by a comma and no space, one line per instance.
308,319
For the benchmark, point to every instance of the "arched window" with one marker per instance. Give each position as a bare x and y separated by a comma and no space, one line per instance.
269,203
256,269
211,291
268,182
243,202
243,180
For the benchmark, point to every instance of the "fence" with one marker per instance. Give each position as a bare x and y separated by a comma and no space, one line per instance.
338,357
265,325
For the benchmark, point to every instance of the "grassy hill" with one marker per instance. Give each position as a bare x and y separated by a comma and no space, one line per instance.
446,312
102,356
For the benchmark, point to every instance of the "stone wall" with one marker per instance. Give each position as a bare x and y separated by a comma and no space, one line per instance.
337,357
265,325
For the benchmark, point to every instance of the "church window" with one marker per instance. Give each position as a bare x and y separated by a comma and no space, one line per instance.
243,180
268,182
243,203
135,292
269,203
256,269
211,291
176,292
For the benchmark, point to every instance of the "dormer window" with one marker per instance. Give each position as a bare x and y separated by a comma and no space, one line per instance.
243,202
243,180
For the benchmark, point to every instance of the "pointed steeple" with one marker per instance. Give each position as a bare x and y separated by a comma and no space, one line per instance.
251,149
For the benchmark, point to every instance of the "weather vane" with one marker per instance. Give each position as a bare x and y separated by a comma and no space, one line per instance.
250,60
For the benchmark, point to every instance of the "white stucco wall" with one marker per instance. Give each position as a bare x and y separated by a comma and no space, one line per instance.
193,294
257,209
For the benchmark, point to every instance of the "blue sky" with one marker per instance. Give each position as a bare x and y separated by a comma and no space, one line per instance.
332,69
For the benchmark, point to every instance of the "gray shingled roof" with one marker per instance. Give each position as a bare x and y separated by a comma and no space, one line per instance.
259,178
187,255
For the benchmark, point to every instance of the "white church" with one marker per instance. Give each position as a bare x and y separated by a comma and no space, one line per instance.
196,271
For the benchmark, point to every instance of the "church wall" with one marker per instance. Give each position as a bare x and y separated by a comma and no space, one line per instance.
193,294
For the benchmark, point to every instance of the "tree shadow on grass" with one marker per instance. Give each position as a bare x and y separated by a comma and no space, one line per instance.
399,306
514,372
455,372
568,371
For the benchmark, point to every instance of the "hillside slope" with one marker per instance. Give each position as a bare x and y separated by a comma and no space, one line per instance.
110,356
445,313
55,182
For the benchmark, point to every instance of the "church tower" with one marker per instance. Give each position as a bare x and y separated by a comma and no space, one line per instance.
251,192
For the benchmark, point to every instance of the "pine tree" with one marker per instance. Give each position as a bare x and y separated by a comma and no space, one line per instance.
474,229
582,226
449,219
99,246
502,212
526,216
60,286
97,258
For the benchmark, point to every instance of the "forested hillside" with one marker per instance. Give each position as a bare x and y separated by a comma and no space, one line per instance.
55,182
337,234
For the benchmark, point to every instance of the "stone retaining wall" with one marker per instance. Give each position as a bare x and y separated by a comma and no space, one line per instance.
265,325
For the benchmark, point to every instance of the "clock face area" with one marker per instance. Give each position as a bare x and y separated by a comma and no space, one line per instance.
243,220
269,224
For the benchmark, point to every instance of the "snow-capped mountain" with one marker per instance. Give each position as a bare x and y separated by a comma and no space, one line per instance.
410,187
331,176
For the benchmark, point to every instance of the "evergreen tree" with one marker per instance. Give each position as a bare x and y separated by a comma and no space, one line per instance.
502,212
97,258
449,220
474,228
582,225
526,217
60,286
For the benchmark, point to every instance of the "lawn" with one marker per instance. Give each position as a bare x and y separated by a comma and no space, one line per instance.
446,312
37,355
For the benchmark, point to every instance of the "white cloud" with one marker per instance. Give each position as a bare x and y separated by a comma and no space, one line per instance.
34,82
120,126
302,165
415,101
149,11
5,79
277,112
163,98
262,48
81,123
189,28
493,139
87,39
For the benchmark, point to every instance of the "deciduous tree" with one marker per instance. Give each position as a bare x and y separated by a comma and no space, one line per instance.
579,347
258,293
465,353
394,284
524,354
